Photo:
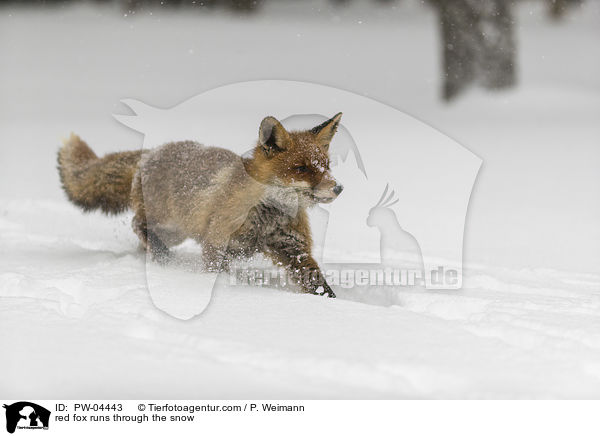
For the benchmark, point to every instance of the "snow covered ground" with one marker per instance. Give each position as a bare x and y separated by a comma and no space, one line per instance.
76,319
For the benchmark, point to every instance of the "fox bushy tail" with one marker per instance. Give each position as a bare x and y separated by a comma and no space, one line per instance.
96,183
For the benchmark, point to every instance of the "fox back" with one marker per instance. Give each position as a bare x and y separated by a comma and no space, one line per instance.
206,193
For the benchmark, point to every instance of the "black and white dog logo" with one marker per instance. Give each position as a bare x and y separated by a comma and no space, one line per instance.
26,415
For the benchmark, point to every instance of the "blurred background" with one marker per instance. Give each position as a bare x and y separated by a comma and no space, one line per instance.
516,82
477,38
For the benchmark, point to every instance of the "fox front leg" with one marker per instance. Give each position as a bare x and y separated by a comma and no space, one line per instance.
310,277
215,258
290,253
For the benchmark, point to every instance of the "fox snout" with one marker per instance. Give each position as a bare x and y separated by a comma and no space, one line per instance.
327,191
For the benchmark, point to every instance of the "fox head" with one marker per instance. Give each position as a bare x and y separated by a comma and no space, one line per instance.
297,160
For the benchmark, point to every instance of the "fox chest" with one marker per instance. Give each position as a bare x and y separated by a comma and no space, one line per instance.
264,226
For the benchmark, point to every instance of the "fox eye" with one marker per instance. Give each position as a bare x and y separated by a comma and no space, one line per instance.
301,169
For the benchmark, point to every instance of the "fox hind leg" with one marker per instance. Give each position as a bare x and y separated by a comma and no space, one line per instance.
149,239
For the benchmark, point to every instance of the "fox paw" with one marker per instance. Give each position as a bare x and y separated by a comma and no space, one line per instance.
325,291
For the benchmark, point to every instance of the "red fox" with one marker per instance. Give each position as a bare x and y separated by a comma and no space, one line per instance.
234,206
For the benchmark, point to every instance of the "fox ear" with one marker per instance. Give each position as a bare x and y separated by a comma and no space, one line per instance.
272,136
326,130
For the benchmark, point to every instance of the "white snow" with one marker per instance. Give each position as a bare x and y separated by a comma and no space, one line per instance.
76,318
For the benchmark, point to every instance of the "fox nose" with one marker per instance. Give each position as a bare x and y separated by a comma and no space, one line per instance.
337,189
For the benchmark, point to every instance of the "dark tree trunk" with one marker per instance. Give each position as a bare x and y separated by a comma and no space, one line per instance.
478,44
558,8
